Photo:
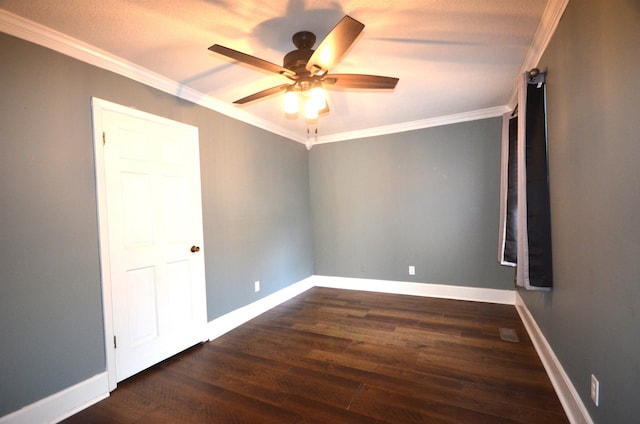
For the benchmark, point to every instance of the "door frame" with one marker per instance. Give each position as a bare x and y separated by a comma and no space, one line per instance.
98,106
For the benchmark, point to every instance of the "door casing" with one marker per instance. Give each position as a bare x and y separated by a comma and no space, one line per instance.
98,107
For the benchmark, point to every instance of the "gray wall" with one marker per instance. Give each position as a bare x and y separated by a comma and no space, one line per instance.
427,198
592,317
256,214
255,206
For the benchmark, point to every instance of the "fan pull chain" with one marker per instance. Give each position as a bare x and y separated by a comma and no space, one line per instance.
311,140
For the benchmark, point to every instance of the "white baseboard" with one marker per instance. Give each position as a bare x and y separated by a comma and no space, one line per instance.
84,394
236,318
228,322
63,404
571,402
475,294
69,401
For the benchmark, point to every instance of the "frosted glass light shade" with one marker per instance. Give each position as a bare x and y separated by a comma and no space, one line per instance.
319,97
310,110
291,102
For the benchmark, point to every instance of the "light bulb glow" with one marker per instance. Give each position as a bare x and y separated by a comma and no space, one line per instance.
310,110
318,97
290,102
325,56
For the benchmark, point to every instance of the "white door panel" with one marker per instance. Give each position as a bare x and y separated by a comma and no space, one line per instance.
153,214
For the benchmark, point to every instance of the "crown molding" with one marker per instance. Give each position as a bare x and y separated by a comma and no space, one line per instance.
39,34
415,125
28,30
548,23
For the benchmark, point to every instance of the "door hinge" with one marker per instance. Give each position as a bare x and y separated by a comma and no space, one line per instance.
104,138
115,344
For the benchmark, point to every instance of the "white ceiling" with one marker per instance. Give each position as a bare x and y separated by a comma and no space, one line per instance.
454,58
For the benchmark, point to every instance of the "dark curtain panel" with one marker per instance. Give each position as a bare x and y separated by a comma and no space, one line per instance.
538,205
511,227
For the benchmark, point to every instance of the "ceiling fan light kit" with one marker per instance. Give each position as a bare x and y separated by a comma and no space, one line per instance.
291,103
308,69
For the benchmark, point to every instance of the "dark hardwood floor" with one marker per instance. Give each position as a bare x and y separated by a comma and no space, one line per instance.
339,356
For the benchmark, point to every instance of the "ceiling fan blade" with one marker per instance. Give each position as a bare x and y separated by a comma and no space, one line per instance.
261,94
360,81
334,46
251,60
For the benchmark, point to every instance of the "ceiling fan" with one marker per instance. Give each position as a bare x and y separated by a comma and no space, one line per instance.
308,69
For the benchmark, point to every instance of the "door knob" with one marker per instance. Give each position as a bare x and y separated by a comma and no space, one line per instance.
195,249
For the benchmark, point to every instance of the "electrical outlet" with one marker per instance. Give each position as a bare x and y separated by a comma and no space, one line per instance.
595,390
256,286
412,270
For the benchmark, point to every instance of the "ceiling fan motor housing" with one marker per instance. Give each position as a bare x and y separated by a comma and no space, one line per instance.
296,60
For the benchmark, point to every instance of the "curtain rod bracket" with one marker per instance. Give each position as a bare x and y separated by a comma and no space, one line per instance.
535,76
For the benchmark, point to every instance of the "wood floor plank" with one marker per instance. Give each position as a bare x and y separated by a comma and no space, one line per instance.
393,407
340,356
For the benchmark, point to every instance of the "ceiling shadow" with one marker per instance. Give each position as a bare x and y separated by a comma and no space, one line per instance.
276,33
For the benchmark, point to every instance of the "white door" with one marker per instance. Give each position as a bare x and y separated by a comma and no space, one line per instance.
151,197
